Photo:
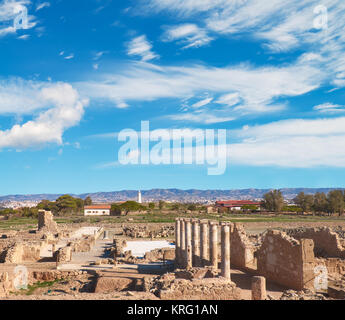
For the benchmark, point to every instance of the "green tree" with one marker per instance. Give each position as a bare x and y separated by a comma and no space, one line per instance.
304,201
192,207
48,206
320,202
115,209
88,201
336,201
80,204
273,201
175,206
161,204
66,204
152,205
129,206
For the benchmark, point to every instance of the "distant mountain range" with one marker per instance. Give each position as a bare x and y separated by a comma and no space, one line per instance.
192,195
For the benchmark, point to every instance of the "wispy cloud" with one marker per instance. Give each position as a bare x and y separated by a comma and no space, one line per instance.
71,56
252,89
140,46
189,35
329,108
42,5
279,26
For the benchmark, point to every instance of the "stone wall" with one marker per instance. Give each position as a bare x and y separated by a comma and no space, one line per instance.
20,252
6,283
242,250
327,243
63,254
286,261
46,222
335,266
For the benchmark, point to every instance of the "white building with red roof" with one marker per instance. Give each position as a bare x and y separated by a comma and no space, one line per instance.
97,210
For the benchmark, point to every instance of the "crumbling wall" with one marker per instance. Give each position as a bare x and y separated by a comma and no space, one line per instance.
326,242
335,266
63,254
46,222
119,245
286,261
242,250
83,245
146,232
6,283
22,252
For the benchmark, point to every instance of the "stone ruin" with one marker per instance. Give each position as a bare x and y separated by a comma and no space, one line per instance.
191,286
291,259
145,232
46,223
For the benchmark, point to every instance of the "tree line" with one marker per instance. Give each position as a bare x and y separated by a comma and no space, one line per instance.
333,202
65,205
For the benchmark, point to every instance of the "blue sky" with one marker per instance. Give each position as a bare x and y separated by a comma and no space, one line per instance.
270,72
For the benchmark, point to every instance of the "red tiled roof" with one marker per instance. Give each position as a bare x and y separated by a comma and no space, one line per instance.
99,206
238,203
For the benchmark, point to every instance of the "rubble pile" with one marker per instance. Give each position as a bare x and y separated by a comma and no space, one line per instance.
305,294
175,286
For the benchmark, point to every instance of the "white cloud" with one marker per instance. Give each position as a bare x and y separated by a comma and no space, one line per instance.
229,99
61,109
184,7
257,88
24,37
295,127
139,46
329,108
202,103
190,35
99,55
277,25
42,5
205,118
71,56
291,143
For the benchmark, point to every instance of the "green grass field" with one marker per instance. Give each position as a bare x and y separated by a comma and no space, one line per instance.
31,223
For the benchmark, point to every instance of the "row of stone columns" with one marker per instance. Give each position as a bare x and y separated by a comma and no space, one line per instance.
197,244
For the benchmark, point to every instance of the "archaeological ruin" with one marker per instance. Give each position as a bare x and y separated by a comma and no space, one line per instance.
190,259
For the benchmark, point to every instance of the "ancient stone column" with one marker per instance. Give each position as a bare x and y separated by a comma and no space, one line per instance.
183,243
204,242
177,241
225,250
213,244
259,288
196,243
188,249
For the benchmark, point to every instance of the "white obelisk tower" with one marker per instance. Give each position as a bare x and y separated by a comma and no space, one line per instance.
139,197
